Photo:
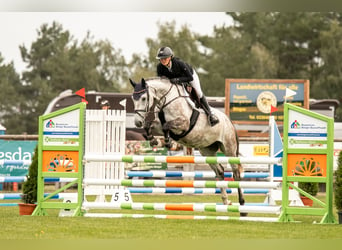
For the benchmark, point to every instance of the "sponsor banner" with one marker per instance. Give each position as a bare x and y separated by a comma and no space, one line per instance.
16,151
313,165
306,132
60,161
144,148
261,150
62,130
251,101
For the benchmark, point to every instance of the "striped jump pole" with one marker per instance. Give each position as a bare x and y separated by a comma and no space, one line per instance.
17,196
182,183
181,159
7,179
183,217
144,190
196,174
20,179
197,207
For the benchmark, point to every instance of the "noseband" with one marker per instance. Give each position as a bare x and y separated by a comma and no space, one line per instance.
136,96
150,111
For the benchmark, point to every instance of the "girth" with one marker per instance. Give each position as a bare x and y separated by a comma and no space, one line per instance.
193,120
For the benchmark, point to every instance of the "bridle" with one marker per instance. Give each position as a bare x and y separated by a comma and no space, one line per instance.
150,111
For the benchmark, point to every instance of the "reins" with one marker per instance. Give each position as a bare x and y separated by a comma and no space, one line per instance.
172,100
150,111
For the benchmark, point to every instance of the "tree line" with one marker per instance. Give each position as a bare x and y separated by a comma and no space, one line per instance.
271,45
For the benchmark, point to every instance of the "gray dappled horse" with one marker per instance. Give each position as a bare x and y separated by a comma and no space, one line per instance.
186,124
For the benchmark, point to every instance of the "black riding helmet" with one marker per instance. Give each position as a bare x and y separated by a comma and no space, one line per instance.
164,52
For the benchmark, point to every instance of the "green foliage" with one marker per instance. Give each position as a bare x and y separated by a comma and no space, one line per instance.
183,43
309,187
10,98
328,83
57,62
338,184
270,45
30,185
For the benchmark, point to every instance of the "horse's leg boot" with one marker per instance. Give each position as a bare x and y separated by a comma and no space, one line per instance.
212,118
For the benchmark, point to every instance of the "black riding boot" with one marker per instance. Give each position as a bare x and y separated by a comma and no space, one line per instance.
212,118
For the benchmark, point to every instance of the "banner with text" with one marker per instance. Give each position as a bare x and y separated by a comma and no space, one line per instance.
252,101
15,151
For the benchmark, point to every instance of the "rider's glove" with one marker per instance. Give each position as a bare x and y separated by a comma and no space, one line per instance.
175,80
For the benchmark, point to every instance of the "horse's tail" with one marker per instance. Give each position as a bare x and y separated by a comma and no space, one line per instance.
237,142
240,166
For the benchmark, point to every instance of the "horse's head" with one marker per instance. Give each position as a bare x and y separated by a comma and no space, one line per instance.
143,104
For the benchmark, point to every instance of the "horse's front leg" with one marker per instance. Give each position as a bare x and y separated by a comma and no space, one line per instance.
167,138
166,130
150,137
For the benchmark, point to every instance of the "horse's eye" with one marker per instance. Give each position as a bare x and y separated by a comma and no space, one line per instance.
143,99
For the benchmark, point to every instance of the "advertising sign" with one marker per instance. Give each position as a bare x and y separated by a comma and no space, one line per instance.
16,151
250,101
62,130
307,158
144,148
306,132
307,165
60,155
60,161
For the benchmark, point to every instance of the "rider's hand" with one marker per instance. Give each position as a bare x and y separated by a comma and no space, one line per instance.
175,80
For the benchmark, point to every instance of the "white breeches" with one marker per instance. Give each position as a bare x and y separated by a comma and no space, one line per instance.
196,84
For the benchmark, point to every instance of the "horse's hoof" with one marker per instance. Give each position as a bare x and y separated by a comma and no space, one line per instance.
243,214
153,142
168,145
149,137
228,202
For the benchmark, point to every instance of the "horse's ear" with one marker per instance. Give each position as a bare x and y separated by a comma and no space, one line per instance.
132,83
143,83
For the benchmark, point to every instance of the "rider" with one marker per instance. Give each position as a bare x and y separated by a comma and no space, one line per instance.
179,72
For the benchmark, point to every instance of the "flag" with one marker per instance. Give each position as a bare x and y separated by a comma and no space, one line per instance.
273,109
276,149
123,103
85,101
289,92
81,93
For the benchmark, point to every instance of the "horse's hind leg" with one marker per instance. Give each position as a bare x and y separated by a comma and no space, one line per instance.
217,168
219,171
237,169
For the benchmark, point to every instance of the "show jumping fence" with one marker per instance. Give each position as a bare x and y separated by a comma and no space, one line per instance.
105,134
186,186
82,206
105,127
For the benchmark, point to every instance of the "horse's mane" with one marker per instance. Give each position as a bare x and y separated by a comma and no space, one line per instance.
158,78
